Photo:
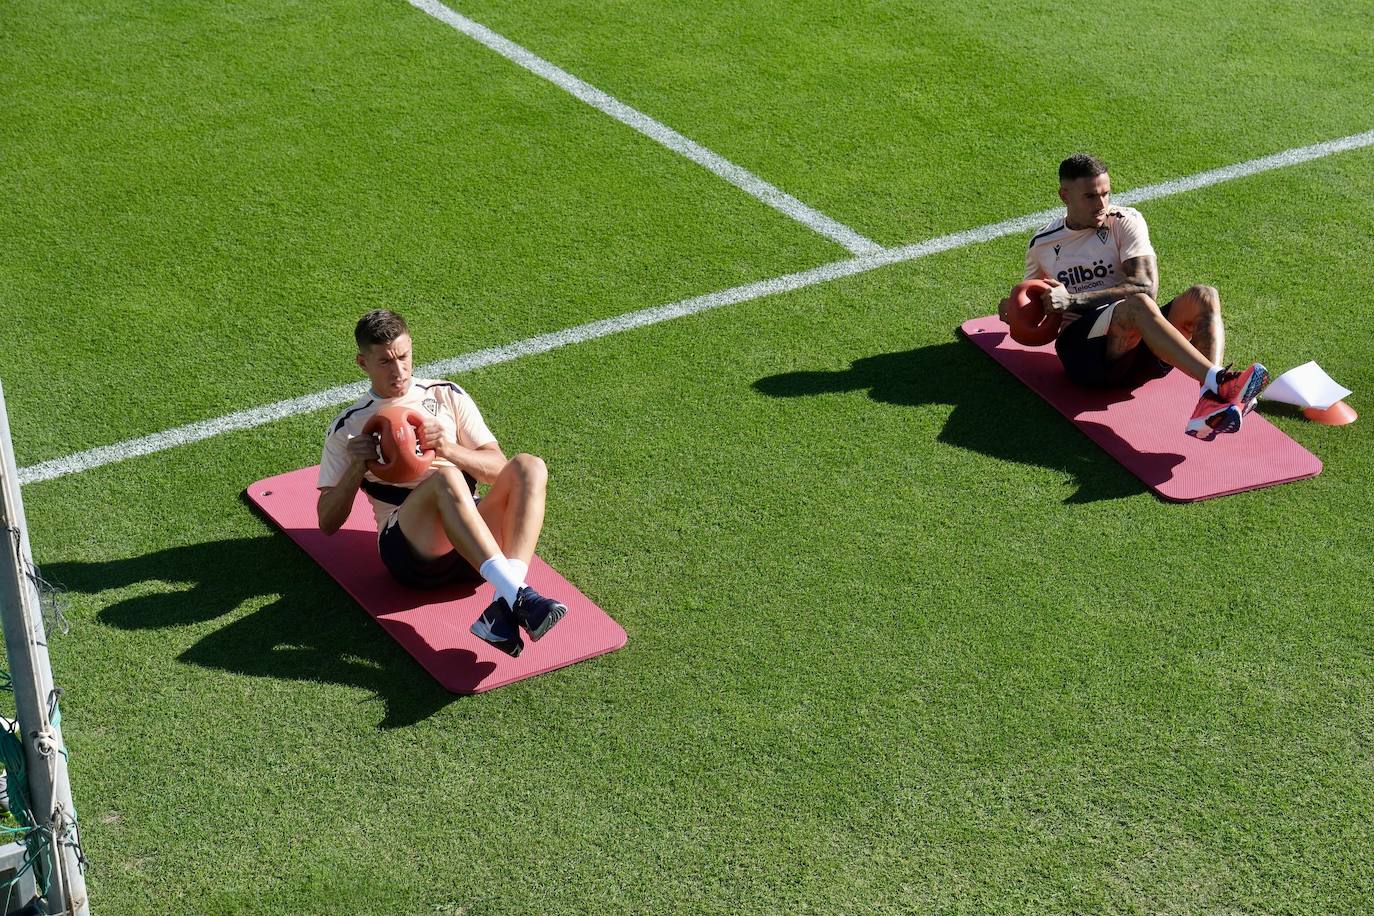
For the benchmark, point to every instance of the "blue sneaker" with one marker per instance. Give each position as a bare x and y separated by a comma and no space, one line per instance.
536,613
497,626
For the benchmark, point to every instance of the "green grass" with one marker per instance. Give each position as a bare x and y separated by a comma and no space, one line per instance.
901,639
913,119
214,212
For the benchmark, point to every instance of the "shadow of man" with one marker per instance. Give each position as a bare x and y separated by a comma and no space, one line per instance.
310,630
993,414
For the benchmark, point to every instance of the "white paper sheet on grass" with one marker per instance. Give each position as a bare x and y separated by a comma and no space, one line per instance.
1306,386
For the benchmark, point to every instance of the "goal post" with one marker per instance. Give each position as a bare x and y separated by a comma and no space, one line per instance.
53,827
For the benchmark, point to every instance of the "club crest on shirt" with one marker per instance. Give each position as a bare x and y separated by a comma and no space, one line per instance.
432,406
1102,236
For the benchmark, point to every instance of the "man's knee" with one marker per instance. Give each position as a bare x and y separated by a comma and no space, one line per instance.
450,483
1133,311
1207,298
530,470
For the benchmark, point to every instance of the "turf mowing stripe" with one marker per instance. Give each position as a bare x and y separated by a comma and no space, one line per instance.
654,130
257,416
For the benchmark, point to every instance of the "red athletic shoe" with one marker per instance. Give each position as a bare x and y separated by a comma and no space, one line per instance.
1236,394
1212,415
1242,388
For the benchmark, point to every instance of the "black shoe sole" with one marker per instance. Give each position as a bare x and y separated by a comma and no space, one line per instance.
547,624
512,647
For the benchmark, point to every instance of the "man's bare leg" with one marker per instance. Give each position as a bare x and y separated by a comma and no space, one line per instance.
513,508
1137,318
1226,396
440,515
1197,315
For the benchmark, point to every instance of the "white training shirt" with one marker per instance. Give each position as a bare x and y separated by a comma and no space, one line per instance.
452,406
1088,259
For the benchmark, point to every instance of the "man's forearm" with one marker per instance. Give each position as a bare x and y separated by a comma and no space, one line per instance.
1080,302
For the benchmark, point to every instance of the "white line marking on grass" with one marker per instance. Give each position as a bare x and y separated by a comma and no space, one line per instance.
1286,158
655,130
247,419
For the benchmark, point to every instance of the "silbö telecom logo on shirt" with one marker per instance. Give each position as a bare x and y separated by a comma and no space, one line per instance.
1078,275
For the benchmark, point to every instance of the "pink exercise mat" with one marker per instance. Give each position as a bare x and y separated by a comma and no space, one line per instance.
433,625
1143,428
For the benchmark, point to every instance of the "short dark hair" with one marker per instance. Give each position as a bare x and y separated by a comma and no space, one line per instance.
1081,165
379,326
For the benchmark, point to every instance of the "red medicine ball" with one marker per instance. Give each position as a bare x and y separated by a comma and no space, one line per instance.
1031,325
398,431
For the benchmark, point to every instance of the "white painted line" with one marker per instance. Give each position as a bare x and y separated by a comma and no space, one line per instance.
1295,156
655,130
247,419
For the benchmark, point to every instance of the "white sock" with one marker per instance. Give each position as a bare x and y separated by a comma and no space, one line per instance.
521,569
1211,383
505,577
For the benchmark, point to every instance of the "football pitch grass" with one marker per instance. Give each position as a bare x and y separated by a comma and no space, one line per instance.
901,639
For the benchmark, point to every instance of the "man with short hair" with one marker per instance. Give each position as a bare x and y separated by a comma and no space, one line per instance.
435,530
1103,279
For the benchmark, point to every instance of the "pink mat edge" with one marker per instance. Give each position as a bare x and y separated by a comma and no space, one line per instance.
979,324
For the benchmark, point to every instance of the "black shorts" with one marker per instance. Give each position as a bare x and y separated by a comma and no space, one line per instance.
410,569
1085,358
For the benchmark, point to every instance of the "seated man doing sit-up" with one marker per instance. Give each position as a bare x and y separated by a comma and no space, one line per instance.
1104,279
435,530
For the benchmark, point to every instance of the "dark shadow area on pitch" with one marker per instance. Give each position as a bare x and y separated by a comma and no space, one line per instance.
1271,410
994,414
310,630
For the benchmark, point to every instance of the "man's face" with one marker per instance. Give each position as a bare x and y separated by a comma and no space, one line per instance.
388,366
1087,200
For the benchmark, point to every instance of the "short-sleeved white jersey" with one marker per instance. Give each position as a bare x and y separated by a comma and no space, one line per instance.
455,410
1088,259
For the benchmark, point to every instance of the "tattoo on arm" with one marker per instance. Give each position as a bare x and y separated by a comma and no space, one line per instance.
1141,275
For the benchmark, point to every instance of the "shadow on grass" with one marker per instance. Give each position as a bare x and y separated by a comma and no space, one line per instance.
310,629
1273,409
993,413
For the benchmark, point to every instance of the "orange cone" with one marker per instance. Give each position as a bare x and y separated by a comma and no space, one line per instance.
1338,414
